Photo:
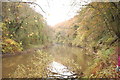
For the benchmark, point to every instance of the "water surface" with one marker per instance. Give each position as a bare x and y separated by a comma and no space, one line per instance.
59,53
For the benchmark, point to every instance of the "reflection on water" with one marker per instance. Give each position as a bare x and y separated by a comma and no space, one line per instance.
59,70
63,53
27,65
60,53
9,64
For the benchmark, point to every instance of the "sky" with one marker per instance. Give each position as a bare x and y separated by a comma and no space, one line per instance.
57,11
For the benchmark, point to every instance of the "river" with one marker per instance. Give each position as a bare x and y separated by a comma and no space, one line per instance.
58,67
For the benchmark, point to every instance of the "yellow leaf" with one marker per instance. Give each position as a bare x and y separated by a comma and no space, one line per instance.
9,9
19,6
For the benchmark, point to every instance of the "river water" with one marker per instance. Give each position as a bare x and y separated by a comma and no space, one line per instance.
57,67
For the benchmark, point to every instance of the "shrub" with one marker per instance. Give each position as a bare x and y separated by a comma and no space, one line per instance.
10,46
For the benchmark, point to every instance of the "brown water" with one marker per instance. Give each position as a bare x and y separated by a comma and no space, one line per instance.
60,53
70,56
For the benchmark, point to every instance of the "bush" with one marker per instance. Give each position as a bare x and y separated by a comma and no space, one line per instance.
10,46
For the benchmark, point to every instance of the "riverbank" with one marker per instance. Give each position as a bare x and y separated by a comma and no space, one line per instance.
27,51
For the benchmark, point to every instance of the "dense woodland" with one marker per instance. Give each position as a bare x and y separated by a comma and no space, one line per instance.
95,30
22,27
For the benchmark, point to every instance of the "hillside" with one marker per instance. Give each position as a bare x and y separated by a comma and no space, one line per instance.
96,31
22,27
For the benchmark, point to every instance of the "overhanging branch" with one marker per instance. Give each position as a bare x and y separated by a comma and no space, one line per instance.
29,2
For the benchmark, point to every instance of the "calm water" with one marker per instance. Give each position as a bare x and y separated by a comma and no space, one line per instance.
60,53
